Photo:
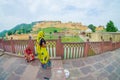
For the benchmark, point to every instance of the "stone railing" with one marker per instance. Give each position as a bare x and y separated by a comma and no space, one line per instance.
58,49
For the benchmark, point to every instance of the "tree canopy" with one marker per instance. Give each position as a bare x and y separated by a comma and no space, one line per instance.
110,27
92,27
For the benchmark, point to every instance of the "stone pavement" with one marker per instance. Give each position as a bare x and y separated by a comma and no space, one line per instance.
105,66
14,68
100,67
57,70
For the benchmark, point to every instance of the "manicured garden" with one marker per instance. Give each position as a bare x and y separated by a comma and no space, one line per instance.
49,34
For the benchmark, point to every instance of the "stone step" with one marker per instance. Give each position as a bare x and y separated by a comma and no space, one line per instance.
57,70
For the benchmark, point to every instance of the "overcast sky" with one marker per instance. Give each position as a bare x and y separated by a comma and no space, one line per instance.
97,12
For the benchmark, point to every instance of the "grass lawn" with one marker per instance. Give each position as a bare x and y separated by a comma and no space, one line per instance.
50,30
48,37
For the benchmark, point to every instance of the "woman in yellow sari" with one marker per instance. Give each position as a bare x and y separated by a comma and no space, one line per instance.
42,52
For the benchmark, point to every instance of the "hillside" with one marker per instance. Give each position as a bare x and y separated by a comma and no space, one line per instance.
59,24
19,29
49,27
3,33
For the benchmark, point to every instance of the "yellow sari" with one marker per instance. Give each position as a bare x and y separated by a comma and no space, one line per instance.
42,52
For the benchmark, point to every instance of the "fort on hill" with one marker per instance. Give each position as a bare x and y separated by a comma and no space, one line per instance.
59,24
55,28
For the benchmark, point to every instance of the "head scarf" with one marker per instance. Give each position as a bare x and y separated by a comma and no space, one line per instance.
40,35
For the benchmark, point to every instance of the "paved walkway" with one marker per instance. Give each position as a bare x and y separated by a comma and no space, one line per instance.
100,67
14,68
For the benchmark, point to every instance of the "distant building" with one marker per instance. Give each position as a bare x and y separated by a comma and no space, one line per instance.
88,30
99,29
99,36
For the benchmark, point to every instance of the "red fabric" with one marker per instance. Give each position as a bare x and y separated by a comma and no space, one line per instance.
31,57
28,51
29,54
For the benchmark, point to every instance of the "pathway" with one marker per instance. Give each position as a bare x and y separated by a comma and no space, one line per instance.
105,66
100,67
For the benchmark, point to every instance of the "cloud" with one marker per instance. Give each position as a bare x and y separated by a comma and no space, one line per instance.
97,12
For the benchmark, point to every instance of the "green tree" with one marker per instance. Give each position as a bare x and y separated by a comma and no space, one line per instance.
110,27
13,32
28,30
55,31
92,27
19,32
9,32
23,31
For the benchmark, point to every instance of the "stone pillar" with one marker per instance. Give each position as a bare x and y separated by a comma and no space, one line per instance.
111,47
59,48
86,48
102,46
12,45
3,45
